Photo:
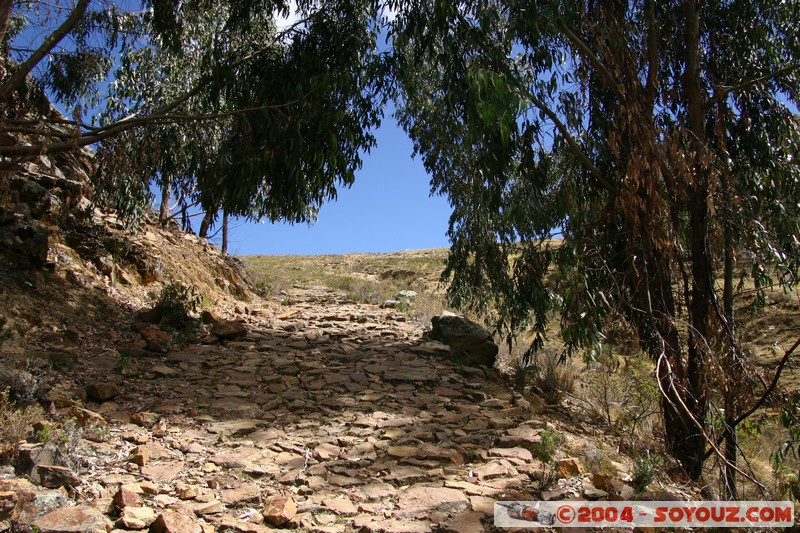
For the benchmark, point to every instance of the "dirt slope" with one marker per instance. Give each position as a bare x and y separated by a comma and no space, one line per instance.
307,407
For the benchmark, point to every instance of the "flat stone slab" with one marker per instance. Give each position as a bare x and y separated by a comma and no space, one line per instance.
234,404
371,524
163,472
402,451
80,519
235,428
405,473
378,491
237,458
472,489
512,453
242,493
410,374
340,506
422,499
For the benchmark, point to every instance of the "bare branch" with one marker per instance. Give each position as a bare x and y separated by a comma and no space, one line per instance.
778,371
714,446
50,42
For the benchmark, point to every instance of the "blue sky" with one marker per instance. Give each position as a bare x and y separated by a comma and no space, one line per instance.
387,209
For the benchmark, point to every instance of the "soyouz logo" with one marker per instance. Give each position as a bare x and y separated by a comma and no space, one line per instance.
638,514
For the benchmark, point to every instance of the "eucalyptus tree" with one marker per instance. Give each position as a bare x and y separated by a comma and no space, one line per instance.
171,153
654,136
210,97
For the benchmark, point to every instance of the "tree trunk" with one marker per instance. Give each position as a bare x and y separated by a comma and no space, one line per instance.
163,214
731,392
208,221
702,291
224,232
680,430
50,42
6,7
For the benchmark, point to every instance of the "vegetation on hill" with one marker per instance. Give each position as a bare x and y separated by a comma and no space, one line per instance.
658,138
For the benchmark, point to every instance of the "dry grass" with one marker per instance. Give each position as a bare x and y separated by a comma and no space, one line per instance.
362,278
16,423
417,270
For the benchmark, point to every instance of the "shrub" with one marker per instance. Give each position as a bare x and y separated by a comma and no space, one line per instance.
596,459
607,389
549,374
426,306
358,290
645,469
175,304
66,441
788,483
16,424
642,396
25,387
268,287
545,449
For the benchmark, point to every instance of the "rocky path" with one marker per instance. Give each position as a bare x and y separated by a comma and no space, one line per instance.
327,417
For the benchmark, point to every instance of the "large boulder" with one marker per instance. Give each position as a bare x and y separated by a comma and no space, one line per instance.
79,519
468,341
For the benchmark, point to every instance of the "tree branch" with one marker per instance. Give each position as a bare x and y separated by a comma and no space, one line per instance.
778,370
747,83
163,113
79,140
50,42
562,128
571,142
591,57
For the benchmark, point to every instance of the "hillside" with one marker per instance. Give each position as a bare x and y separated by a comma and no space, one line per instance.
306,399
319,408
597,394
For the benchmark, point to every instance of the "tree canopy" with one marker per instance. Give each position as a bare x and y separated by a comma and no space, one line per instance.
215,99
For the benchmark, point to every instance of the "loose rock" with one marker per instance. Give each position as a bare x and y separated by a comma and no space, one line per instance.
80,519
229,330
279,510
102,391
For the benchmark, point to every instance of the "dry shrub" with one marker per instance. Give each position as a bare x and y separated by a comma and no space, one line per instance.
597,459
16,423
269,286
426,306
606,387
548,374
623,392
359,290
